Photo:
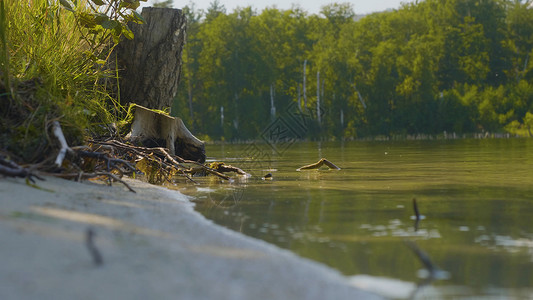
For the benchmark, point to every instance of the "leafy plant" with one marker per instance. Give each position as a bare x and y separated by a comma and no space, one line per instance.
52,55
102,20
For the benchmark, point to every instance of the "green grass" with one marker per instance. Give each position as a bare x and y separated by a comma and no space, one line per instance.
49,73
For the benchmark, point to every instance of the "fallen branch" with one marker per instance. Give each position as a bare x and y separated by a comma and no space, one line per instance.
319,164
11,169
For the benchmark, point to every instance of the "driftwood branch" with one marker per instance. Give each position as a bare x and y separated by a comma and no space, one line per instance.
319,164
223,168
64,146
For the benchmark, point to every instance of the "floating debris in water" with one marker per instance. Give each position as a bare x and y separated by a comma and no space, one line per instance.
464,228
268,177
319,164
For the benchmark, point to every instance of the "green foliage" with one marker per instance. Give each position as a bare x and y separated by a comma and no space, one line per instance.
164,4
55,70
104,19
434,66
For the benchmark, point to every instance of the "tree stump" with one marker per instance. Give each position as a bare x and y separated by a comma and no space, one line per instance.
149,69
155,129
150,64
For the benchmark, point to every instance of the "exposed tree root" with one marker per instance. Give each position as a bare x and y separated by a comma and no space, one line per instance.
112,159
162,157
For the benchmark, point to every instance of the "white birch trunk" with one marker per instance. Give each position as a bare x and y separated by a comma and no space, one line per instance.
305,95
272,107
318,97
236,119
190,105
299,100
222,116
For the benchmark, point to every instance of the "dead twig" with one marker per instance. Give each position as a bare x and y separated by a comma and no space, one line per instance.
10,168
93,251
80,176
111,163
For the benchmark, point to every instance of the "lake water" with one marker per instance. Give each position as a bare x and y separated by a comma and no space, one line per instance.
476,198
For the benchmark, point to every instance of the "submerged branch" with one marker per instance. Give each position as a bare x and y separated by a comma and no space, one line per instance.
222,168
423,257
417,214
415,207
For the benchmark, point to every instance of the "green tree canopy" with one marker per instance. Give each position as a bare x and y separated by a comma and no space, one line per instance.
427,67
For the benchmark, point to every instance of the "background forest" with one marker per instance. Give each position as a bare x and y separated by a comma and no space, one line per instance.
438,65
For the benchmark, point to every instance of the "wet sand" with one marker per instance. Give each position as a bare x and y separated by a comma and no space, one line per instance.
153,246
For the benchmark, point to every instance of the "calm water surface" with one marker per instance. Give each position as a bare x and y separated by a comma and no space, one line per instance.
476,197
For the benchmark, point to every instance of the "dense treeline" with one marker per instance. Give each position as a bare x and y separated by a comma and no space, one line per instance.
440,65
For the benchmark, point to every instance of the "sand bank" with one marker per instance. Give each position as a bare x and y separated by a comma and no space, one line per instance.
153,244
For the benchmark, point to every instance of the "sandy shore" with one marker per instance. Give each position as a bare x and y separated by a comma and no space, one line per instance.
154,246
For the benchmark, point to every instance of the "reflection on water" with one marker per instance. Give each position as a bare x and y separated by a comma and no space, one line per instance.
476,196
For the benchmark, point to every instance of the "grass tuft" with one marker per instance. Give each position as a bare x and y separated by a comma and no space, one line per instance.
50,73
